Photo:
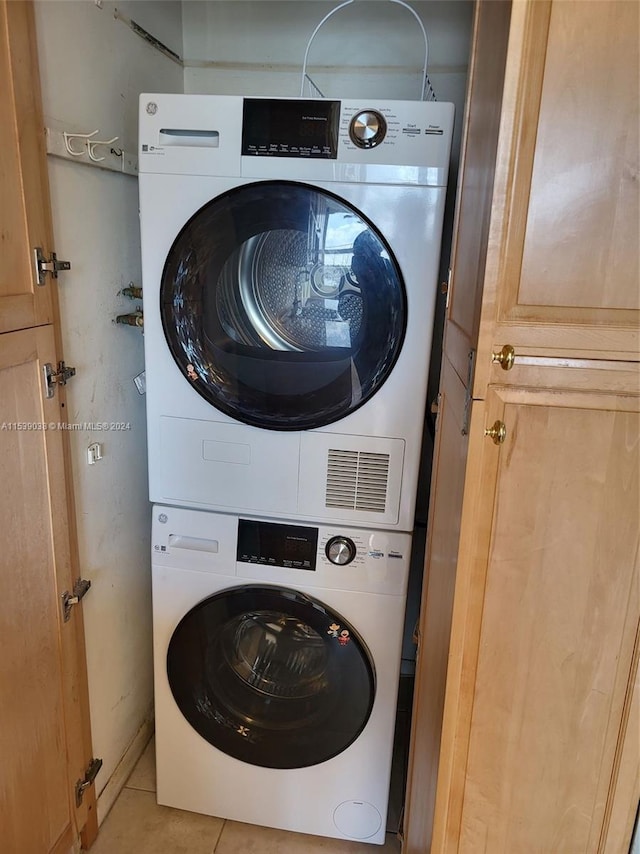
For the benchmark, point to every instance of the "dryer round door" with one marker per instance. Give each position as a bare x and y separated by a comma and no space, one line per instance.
282,305
271,677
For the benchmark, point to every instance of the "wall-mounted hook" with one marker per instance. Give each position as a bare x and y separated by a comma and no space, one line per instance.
84,136
91,147
119,152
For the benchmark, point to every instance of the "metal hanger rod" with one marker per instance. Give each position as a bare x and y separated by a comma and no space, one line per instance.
348,3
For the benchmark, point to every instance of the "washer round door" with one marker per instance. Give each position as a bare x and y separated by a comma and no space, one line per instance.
271,677
282,305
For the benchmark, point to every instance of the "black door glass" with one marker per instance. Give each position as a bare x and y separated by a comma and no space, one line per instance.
282,305
271,676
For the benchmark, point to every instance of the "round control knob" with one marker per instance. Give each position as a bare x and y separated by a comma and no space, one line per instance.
368,129
340,550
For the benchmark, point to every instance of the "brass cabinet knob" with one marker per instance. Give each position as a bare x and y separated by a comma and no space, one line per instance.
505,358
498,432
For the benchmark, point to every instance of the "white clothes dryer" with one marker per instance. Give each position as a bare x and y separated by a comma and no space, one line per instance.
277,655
290,252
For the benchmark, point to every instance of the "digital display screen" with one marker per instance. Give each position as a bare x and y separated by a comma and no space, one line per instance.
288,546
279,128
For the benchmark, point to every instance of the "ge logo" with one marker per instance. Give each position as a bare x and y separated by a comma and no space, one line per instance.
152,108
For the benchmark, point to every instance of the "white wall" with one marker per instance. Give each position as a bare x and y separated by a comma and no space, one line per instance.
92,68
368,49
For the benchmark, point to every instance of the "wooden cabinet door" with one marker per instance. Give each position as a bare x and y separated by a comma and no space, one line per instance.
40,730
473,207
539,702
45,738
24,210
562,267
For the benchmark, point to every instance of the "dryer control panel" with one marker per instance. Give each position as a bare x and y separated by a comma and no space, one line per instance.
323,129
276,127
364,141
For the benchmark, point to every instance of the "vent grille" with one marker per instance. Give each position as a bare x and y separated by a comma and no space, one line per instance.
357,480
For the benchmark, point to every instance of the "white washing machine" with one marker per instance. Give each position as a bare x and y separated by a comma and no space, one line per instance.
276,653
290,252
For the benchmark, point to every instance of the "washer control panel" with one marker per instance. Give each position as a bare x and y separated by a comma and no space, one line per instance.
246,550
366,551
272,544
305,547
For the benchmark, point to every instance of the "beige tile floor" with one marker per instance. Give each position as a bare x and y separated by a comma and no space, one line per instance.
137,825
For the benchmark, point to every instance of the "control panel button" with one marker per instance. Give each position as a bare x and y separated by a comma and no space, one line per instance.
368,128
340,550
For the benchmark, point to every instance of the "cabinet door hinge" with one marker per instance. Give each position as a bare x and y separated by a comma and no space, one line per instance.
80,589
90,775
52,266
53,378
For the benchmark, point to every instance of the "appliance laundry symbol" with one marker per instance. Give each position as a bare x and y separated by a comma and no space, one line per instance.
243,731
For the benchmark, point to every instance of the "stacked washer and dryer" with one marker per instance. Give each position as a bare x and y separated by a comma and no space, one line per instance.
290,254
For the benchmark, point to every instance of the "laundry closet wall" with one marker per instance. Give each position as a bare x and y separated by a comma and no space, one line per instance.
371,48
93,67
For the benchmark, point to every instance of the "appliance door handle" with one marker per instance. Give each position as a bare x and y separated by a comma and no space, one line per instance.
196,544
190,137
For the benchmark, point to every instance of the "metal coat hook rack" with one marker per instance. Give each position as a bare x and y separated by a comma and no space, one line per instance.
89,145
85,148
